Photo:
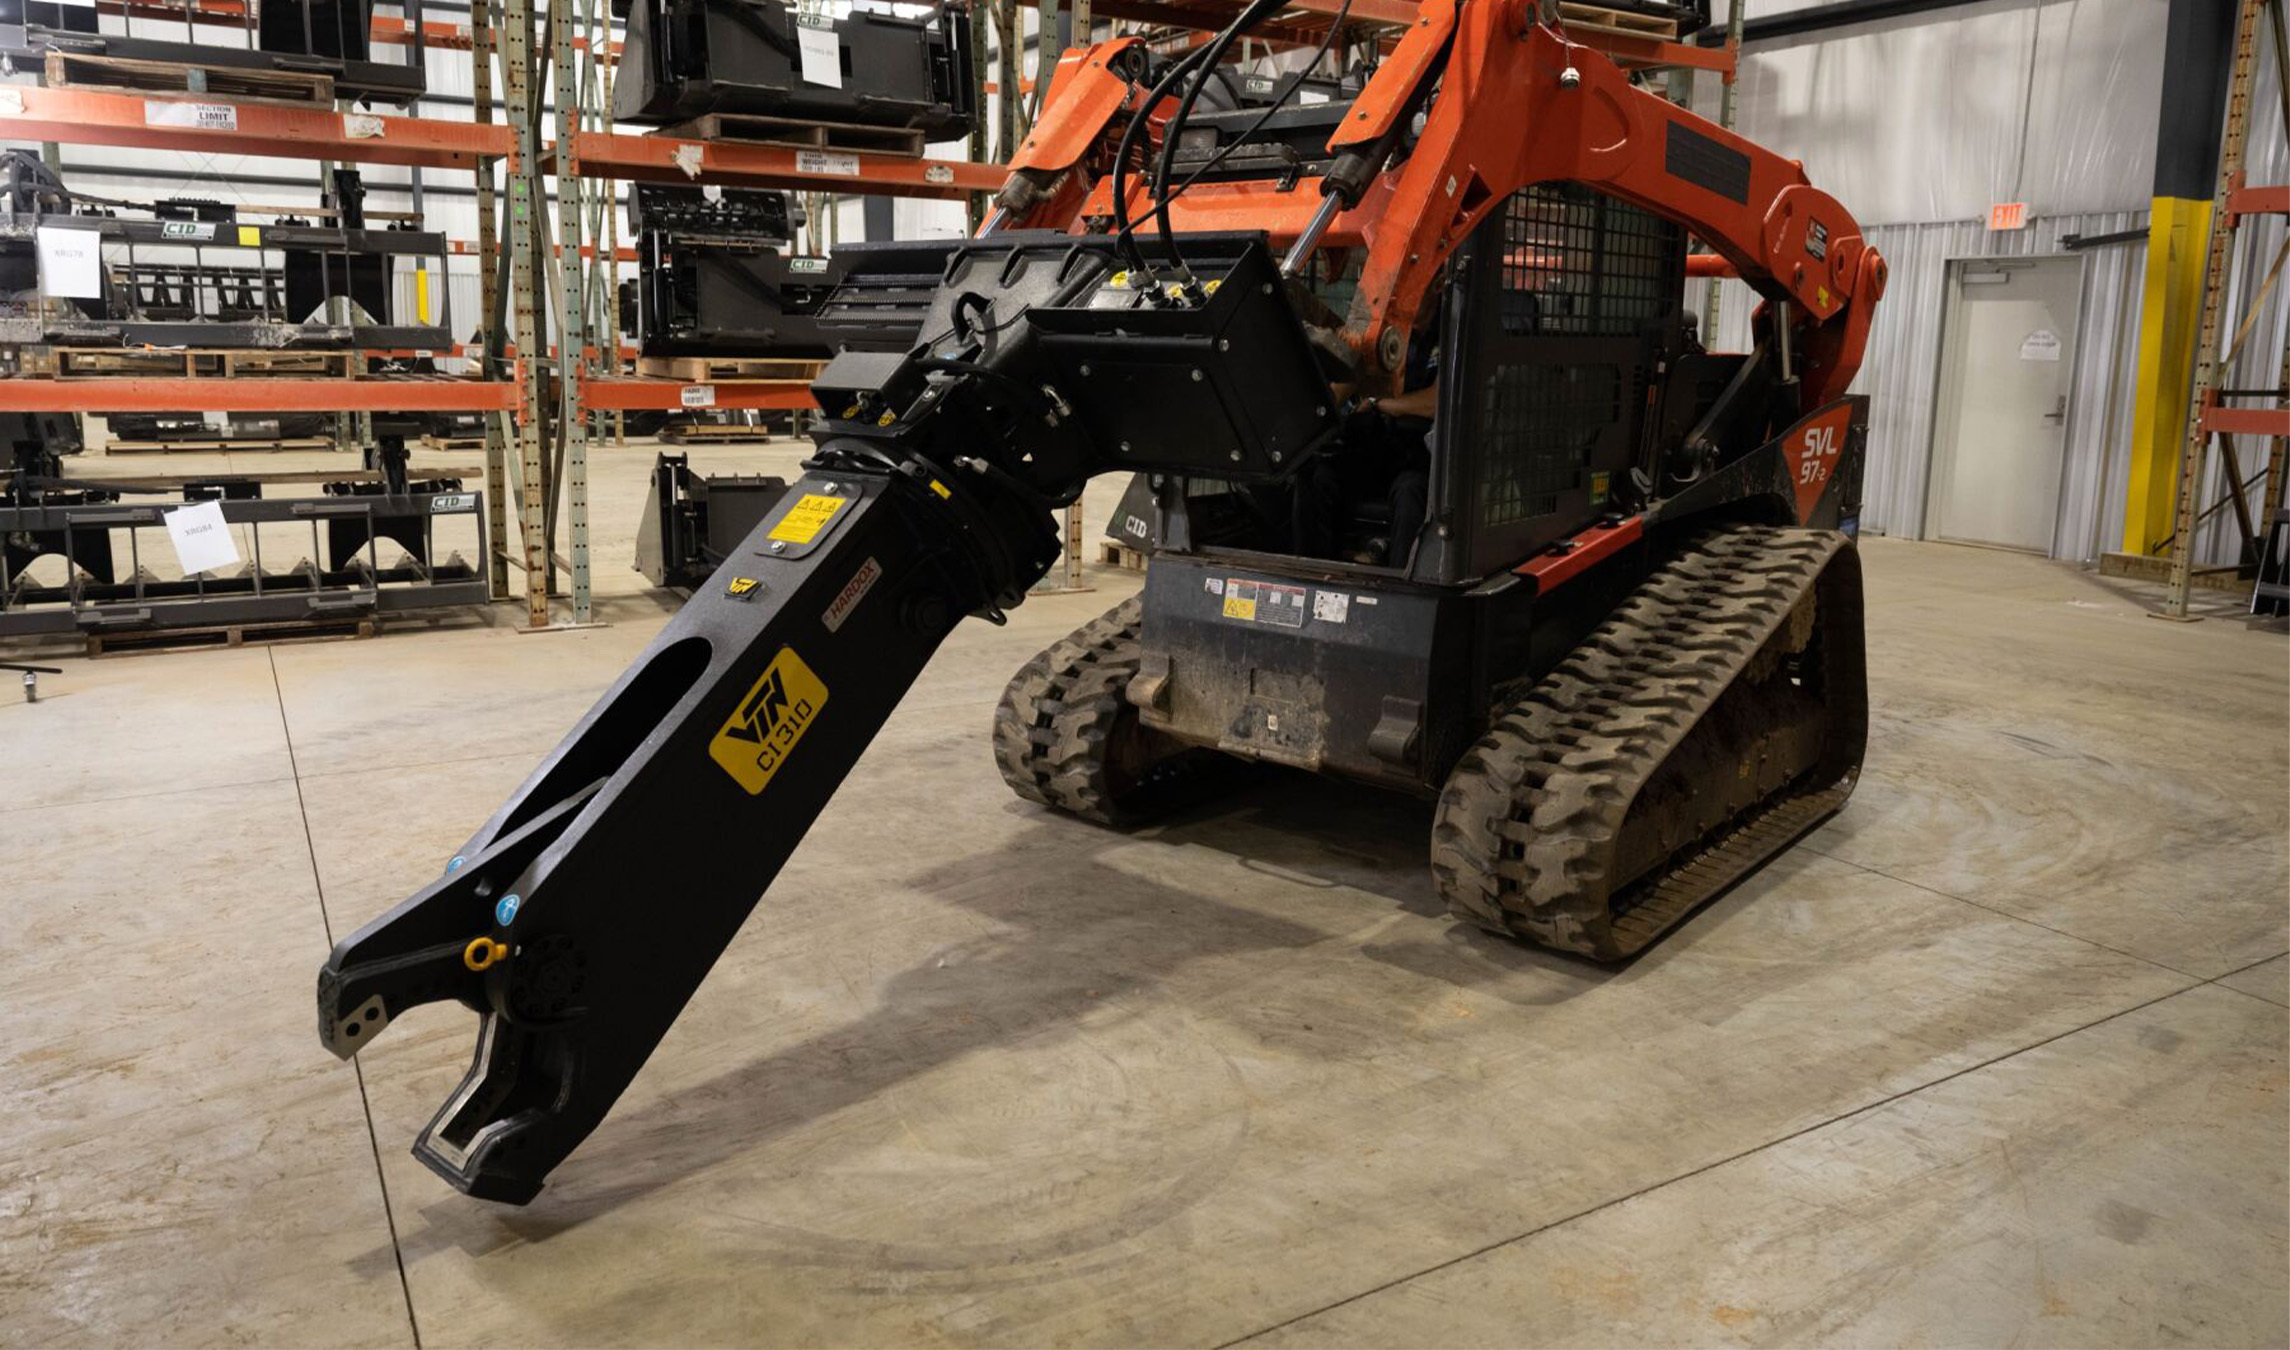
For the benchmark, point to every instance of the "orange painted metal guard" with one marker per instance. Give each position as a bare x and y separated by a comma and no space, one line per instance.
1554,566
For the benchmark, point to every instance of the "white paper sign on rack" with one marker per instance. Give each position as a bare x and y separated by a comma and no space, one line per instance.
827,161
160,112
71,262
822,55
202,539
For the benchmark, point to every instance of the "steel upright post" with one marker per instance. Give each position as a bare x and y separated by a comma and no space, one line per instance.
524,301
572,299
1726,106
2191,454
492,352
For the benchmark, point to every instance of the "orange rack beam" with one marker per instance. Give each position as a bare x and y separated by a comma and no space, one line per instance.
626,394
661,159
94,117
401,393
2247,421
2256,201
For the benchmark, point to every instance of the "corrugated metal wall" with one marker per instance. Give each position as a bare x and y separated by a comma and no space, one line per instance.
1910,116
1901,370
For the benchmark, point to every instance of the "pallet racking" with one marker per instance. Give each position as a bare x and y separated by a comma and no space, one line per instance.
195,119
552,362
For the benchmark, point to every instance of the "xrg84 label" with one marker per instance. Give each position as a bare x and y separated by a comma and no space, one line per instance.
763,730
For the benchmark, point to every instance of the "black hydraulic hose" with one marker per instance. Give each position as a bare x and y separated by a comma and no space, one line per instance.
1161,205
1255,14
1124,232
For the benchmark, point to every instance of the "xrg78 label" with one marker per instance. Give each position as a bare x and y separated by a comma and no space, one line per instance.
763,730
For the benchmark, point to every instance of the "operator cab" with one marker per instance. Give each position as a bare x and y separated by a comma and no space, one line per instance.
1566,373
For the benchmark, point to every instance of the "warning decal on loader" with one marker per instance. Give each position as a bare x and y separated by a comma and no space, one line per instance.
760,734
1264,602
806,518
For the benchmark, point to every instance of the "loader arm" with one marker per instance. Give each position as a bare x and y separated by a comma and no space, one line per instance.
579,921
1507,101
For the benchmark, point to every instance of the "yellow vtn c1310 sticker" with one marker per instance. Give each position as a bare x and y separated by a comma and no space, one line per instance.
806,518
761,733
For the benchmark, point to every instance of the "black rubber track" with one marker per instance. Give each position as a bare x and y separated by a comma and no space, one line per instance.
1525,838
1055,727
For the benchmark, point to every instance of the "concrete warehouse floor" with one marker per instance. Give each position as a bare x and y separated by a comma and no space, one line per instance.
1997,1056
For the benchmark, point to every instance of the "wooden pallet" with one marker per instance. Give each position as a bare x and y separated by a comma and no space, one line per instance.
221,445
2136,567
711,369
172,482
81,70
228,635
1617,22
202,362
752,130
1122,556
430,442
716,433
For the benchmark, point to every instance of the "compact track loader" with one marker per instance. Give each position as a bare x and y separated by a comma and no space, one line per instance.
1606,610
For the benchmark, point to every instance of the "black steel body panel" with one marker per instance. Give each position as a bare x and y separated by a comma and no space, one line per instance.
1327,673
1228,387
686,58
1350,670
1762,485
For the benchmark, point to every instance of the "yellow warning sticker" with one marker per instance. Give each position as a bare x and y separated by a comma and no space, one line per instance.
1237,607
809,515
762,731
250,236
